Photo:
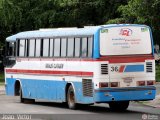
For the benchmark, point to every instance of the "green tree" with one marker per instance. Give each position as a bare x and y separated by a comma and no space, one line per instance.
22,15
142,12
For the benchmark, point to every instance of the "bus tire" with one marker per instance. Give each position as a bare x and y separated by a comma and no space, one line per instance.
119,106
71,98
25,100
21,96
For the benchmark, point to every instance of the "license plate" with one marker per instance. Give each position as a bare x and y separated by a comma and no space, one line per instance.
128,79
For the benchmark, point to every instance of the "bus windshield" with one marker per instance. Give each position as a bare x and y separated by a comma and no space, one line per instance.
128,40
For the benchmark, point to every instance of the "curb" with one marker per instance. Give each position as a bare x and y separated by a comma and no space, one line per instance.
147,104
157,83
153,103
2,92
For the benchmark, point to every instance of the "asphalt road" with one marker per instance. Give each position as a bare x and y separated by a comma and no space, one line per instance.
11,107
158,88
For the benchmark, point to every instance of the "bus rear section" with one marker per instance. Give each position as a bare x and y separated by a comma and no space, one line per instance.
127,65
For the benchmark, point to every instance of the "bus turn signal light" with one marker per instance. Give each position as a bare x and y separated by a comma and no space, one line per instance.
114,84
151,82
103,84
106,84
141,83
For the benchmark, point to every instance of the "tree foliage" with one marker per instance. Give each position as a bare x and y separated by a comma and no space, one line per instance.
142,12
22,15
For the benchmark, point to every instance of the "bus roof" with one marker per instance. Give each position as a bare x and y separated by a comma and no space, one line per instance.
62,32
59,32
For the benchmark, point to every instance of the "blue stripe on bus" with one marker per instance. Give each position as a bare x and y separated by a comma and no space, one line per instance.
55,91
52,90
134,68
125,95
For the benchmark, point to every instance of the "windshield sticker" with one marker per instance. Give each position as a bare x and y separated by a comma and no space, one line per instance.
144,29
104,31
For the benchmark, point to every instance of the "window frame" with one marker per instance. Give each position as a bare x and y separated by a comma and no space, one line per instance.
27,47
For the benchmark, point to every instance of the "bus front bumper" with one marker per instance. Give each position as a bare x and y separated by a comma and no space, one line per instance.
125,94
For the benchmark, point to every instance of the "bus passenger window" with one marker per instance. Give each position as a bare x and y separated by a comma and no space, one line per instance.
31,47
38,48
51,47
11,49
45,47
21,48
77,47
63,47
90,45
70,47
84,47
57,47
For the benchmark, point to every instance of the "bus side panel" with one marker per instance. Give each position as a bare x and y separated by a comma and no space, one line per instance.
60,91
125,94
80,98
39,89
44,89
10,82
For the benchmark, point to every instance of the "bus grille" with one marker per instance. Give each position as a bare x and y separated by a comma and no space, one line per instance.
87,87
104,68
149,67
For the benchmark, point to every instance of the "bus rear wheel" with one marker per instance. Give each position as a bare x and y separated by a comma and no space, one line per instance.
21,96
119,106
25,100
71,98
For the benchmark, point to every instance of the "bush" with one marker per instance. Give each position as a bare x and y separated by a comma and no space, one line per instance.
1,76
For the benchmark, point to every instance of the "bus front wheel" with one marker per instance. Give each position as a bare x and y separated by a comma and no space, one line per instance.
71,98
119,106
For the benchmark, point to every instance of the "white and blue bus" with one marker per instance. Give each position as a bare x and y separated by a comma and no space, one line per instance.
100,64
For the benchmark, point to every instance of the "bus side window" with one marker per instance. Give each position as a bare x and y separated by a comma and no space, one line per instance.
77,47
90,46
21,48
70,47
63,47
31,47
57,47
38,48
11,49
84,47
45,47
51,47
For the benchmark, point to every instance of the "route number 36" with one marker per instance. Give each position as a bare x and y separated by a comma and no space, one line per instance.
114,69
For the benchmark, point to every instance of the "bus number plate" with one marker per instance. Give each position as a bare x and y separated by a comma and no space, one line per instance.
128,79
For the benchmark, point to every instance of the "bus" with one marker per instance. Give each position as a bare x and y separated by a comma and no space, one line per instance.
111,64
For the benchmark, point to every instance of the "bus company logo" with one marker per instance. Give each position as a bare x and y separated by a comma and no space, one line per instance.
126,32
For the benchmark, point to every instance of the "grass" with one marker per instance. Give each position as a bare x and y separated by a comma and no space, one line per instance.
158,73
1,78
